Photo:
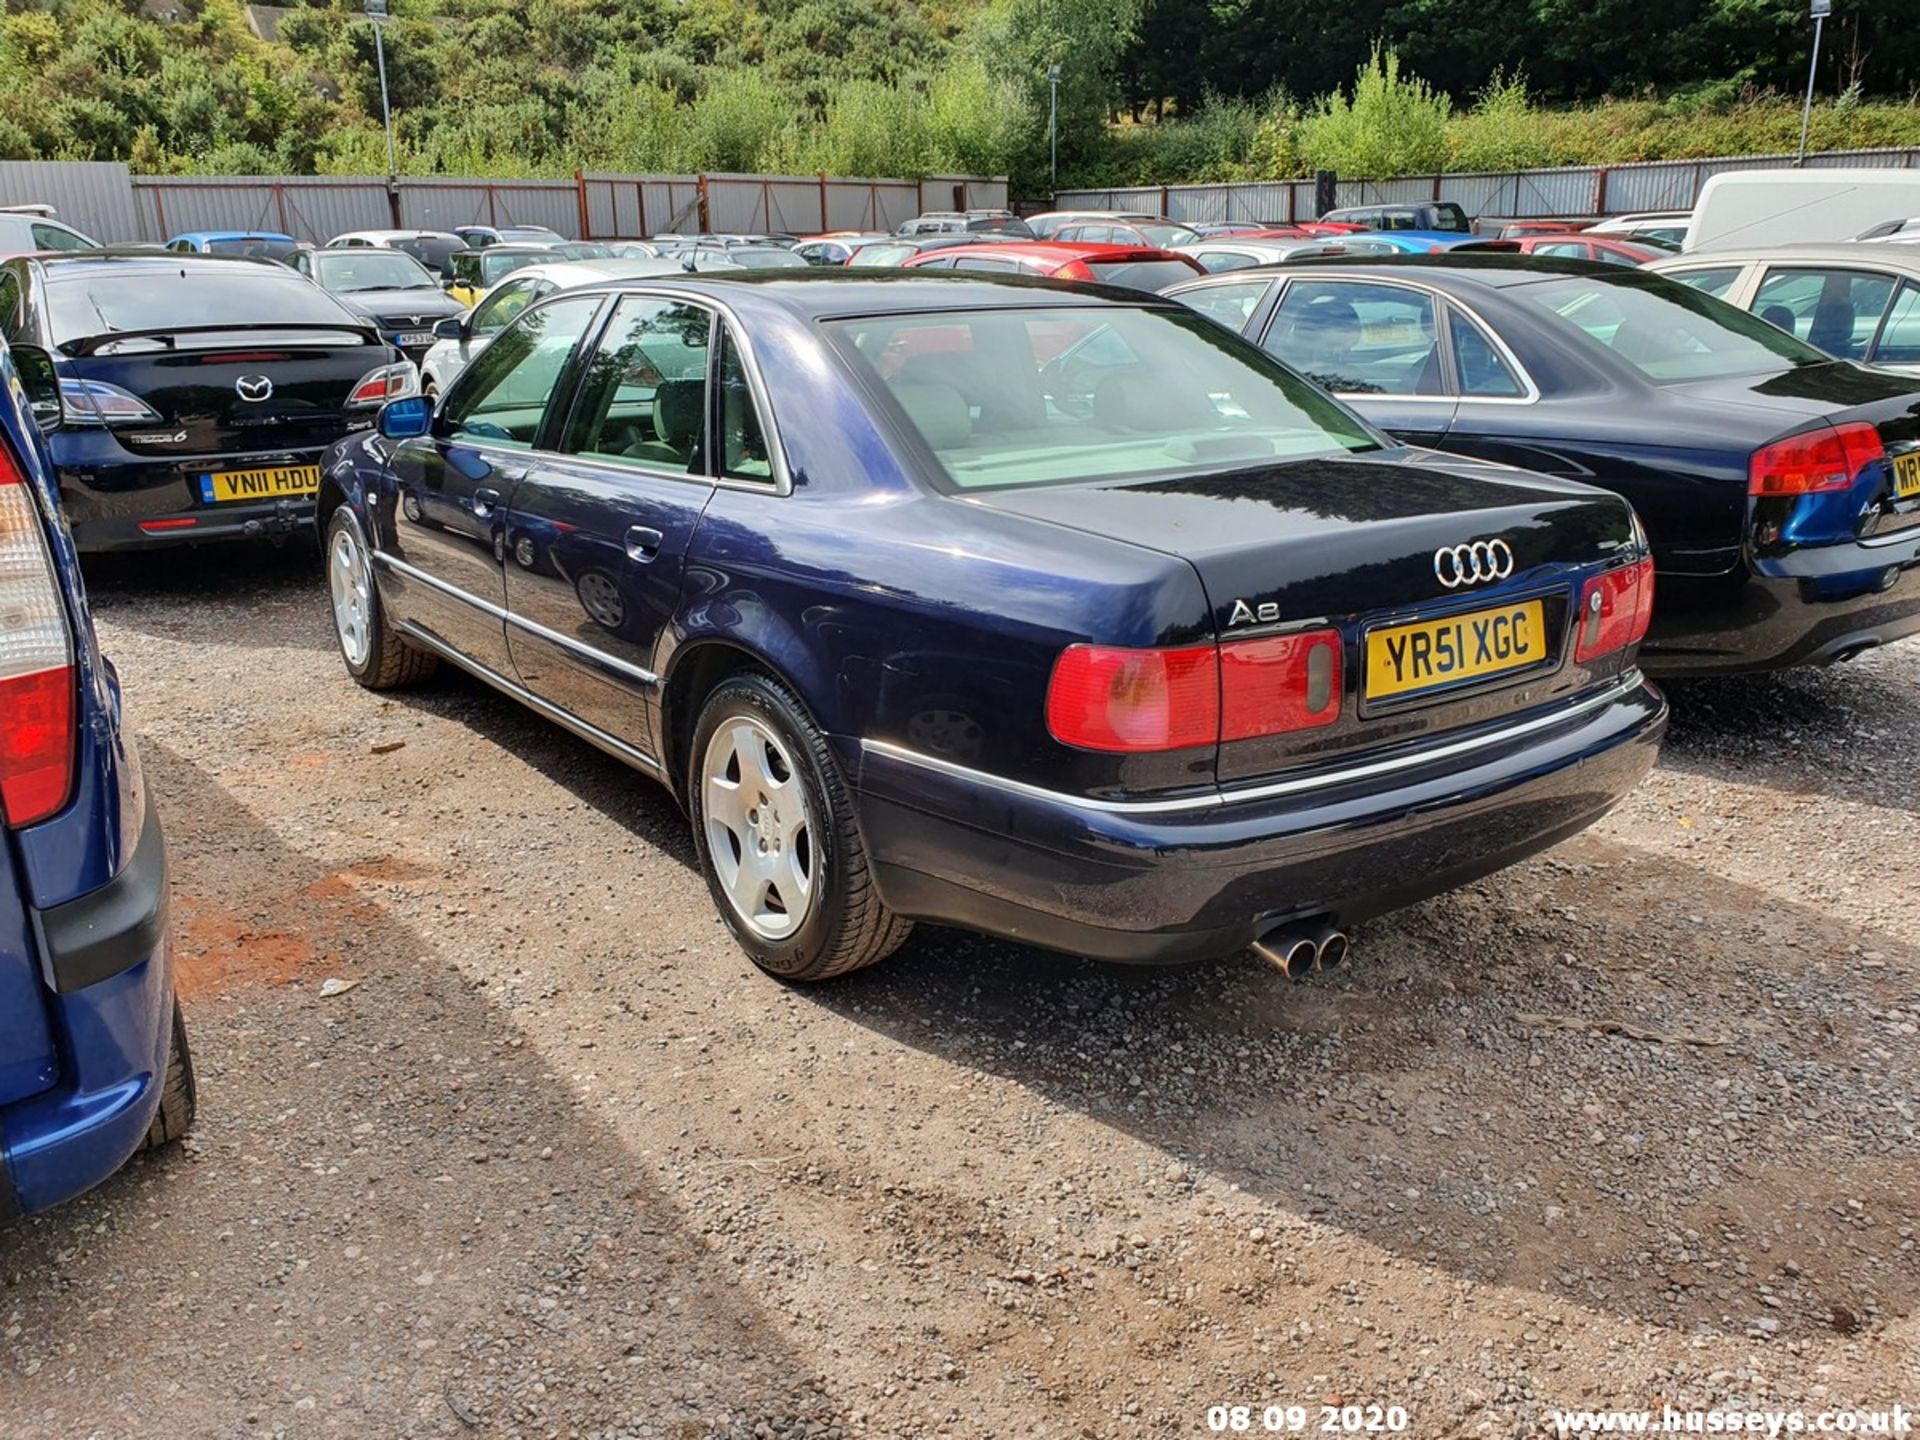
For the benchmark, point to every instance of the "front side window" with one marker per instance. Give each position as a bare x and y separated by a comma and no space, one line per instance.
1837,311
1359,338
502,397
502,306
1230,305
1053,396
1669,333
643,400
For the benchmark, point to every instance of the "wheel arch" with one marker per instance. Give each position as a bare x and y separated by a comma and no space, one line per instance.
698,667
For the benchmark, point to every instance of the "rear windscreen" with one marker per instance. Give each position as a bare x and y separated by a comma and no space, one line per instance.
432,251
1141,274
162,299
280,250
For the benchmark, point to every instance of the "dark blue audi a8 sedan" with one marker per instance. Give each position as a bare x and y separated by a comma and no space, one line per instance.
1057,613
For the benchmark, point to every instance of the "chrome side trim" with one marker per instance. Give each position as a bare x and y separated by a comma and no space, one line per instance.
434,582
637,673
1273,789
592,734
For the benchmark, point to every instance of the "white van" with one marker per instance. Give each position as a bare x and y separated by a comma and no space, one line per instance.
1788,207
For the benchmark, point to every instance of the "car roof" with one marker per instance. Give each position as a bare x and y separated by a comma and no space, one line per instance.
814,292
74,264
1853,252
395,235
1495,270
572,274
1062,252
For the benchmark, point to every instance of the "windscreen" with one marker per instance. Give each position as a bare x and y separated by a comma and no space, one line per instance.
1141,274
347,272
1045,396
495,267
883,254
162,299
255,248
765,259
432,251
1669,333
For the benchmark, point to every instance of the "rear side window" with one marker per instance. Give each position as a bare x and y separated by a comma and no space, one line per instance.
1214,261
1572,249
112,299
1837,311
991,264
743,440
1359,338
1900,336
1669,333
58,237
502,397
1716,282
1449,216
11,325
1484,372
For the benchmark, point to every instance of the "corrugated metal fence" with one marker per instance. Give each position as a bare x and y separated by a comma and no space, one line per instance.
1572,190
107,202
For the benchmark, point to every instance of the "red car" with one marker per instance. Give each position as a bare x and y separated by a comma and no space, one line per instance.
1572,245
1140,266
1323,229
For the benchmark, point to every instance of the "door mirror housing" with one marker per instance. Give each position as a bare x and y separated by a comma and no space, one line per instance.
405,419
42,384
454,327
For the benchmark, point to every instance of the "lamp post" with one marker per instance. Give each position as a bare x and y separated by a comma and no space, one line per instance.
1821,9
377,13
1053,124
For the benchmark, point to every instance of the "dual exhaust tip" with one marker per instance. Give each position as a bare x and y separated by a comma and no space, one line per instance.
1296,950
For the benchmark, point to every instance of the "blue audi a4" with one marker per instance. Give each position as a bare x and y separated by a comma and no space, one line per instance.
1061,614
93,1056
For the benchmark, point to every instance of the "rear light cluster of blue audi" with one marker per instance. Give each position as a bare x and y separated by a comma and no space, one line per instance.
1828,458
1104,697
37,717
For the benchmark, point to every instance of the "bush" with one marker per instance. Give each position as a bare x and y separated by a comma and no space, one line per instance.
1394,124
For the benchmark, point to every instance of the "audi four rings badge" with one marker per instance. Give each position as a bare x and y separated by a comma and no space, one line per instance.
253,388
1475,564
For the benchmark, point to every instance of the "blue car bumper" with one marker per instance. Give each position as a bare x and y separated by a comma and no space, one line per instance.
1145,884
112,1017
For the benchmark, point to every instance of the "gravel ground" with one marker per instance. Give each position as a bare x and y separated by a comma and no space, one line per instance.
1633,1123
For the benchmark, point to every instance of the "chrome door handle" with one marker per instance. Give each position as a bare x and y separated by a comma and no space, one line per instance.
643,542
484,499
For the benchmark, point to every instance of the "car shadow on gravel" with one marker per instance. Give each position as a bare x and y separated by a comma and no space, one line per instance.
390,1207
188,594
1848,731
1578,1078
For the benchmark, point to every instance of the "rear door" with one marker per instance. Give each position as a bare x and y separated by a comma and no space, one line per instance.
455,483
1376,344
1835,308
598,531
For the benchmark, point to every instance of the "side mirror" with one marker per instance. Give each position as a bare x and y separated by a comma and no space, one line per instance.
42,385
454,327
405,419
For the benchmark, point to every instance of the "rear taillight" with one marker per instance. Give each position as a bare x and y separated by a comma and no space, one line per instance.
1073,270
36,663
1615,610
94,402
389,382
1829,458
1105,698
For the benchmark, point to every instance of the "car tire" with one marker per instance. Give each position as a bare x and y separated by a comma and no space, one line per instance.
374,652
771,814
178,1098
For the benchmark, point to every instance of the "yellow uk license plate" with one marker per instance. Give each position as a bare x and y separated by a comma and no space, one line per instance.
1404,658
269,484
1906,475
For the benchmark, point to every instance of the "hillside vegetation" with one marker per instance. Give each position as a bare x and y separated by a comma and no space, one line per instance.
1156,91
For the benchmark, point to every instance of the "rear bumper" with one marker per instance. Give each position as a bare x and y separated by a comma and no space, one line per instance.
1161,884
1812,607
113,1027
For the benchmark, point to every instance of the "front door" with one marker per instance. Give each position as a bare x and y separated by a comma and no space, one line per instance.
446,541
597,534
